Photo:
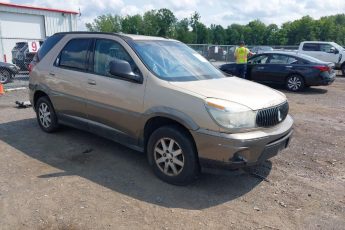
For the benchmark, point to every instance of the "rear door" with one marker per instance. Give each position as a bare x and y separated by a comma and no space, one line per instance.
66,78
312,49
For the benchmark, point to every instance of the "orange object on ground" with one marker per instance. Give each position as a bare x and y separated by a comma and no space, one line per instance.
1,89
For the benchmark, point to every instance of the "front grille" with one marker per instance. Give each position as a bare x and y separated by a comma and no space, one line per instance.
272,116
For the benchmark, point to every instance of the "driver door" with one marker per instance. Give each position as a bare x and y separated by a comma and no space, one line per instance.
327,54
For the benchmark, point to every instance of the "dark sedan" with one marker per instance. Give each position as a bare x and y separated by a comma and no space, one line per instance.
295,71
7,72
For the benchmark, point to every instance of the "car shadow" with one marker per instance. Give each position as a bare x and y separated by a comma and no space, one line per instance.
73,152
308,90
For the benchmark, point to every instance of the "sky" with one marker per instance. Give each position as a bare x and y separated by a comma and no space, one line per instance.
223,12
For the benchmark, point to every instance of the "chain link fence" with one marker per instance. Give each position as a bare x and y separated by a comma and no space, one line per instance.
225,53
15,57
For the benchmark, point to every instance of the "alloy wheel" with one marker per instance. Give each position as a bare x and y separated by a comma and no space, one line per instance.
169,157
294,83
4,77
44,115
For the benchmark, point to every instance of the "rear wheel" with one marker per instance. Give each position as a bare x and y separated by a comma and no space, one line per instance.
343,69
5,76
46,115
172,155
294,83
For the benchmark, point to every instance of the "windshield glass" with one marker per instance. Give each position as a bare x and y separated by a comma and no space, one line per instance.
174,61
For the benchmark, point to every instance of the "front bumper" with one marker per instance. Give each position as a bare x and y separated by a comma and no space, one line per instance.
242,149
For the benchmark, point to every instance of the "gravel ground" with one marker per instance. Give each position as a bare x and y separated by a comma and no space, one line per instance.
76,180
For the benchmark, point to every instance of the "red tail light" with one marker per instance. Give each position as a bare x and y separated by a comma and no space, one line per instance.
31,66
322,68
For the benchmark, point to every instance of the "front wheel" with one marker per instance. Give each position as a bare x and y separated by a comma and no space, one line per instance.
172,155
343,69
5,76
294,83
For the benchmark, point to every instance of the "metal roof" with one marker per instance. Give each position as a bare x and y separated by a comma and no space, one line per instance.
37,8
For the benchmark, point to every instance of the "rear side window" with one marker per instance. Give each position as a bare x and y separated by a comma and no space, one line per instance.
311,47
48,45
74,54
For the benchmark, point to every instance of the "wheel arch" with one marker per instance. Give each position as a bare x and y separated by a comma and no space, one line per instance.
155,122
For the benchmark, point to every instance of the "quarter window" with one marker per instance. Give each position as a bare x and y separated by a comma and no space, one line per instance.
107,51
74,54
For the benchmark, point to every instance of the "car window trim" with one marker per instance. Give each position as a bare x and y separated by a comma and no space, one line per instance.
73,68
92,61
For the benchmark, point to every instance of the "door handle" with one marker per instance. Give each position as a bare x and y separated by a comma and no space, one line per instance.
52,74
91,82
261,67
288,66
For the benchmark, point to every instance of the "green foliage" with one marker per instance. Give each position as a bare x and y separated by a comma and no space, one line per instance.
163,23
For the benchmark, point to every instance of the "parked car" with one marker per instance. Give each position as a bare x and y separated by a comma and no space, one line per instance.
29,56
7,72
18,54
295,71
160,97
261,49
325,51
216,53
18,46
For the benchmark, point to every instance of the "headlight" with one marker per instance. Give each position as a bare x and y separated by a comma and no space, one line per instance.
231,115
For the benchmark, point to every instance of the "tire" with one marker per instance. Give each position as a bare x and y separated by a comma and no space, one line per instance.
294,83
46,115
5,76
343,70
175,163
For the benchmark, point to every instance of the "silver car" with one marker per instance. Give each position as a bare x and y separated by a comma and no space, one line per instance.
160,97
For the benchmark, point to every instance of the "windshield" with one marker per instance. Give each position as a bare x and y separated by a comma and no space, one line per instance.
174,61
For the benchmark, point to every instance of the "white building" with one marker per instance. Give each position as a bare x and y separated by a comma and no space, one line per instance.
19,23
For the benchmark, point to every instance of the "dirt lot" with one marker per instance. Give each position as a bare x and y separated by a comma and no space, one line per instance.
76,180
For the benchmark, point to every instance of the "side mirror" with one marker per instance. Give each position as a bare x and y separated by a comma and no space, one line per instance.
333,50
123,69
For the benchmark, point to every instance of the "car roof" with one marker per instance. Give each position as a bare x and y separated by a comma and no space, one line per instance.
122,35
291,53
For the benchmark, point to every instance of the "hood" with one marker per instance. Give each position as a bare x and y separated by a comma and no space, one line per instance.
250,94
4,64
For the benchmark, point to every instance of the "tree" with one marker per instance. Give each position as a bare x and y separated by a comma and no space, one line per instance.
105,23
163,23
132,24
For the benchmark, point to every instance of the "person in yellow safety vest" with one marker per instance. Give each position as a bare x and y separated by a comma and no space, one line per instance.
241,55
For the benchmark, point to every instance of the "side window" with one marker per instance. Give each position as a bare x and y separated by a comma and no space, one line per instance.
311,47
105,52
74,54
278,59
261,59
326,48
48,45
292,60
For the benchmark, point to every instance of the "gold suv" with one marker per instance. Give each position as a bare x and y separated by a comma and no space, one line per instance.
160,97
